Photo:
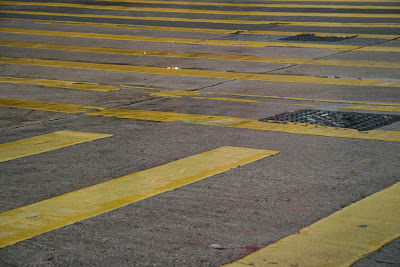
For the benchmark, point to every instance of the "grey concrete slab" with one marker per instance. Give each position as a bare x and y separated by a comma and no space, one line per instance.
252,205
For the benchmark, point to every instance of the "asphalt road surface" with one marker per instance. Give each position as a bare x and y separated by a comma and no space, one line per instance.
156,133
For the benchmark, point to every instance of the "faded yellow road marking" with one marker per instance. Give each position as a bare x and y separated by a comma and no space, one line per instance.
200,73
319,62
59,83
375,108
198,41
339,239
286,127
255,5
44,143
204,11
202,30
179,93
249,101
239,22
25,222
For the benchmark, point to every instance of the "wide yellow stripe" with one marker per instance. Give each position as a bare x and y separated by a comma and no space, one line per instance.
198,41
202,30
25,222
200,73
239,22
339,239
44,143
74,85
59,83
204,11
254,5
286,127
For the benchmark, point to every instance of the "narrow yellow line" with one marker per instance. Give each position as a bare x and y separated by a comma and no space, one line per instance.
375,108
179,93
249,101
198,41
200,73
287,127
25,222
59,83
339,239
244,58
181,40
253,5
204,11
239,22
44,143
202,30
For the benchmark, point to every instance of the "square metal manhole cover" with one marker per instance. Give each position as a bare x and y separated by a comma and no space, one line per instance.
353,120
313,38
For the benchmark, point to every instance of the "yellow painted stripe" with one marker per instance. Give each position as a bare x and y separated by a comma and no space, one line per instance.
339,239
249,101
179,93
319,62
375,108
44,143
202,30
239,22
186,3
200,73
198,41
287,127
204,11
45,106
59,83
25,222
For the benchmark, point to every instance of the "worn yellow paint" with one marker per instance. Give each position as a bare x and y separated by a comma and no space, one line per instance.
204,11
320,6
179,93
286,127
44,143
202,30
181,40
44,105
200,73
25,222
239,22
249,101
339,239
375,108
198,41
319,62
137,87
59,83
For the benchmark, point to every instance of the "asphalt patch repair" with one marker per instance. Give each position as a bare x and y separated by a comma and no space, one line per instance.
306,37
352,120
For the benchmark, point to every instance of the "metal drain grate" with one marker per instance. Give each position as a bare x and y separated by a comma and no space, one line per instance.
353,120
313,38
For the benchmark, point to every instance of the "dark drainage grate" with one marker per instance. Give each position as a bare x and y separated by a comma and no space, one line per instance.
313,38
353,120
